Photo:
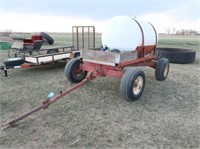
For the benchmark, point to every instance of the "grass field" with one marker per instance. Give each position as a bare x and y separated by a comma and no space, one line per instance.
95,115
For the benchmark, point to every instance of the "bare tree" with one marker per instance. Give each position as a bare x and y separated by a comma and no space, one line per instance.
186,32
174,30
193,32
168,30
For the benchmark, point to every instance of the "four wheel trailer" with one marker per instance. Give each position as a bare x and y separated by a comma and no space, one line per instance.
120,65
93,64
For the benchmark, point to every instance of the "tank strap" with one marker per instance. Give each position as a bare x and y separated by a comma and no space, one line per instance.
155,32
140,30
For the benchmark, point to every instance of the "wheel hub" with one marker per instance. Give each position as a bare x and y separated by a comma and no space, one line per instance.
166,69
137,85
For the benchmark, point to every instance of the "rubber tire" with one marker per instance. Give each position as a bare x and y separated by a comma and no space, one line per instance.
69,71
47,37
175,55
126,85
160,68
52,51
16,61
77,54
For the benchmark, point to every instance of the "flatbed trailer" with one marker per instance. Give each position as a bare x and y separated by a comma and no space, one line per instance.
66,53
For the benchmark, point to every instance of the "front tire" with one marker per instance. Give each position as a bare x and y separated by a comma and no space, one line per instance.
73,72
132,84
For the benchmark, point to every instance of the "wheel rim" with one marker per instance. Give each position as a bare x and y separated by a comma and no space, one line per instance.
78,73
137,85
166,69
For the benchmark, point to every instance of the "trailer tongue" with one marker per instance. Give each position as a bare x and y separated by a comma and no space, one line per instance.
46,103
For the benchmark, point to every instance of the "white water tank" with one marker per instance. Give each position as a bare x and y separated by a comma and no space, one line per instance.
126,34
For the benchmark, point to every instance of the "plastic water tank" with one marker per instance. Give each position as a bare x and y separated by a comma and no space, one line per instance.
126,34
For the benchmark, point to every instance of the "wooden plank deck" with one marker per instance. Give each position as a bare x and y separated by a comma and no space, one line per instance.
47,58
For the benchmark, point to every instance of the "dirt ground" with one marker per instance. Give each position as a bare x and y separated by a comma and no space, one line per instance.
96,116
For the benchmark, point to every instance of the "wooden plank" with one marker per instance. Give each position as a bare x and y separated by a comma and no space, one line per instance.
59,53
47,58
31,60
62,56
44,48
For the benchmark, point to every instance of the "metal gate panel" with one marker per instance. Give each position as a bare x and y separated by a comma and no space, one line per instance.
83,37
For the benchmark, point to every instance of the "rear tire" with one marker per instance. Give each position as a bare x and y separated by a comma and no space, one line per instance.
72,71
176,55
132,84
162,69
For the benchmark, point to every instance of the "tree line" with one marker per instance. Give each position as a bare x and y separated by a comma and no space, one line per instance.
182,31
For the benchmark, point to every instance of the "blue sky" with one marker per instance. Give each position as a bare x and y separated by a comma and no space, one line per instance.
60,15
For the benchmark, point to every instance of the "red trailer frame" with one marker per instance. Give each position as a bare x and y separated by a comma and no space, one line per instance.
117,71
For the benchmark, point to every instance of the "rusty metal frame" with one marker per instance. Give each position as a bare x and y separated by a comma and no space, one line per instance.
100,70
